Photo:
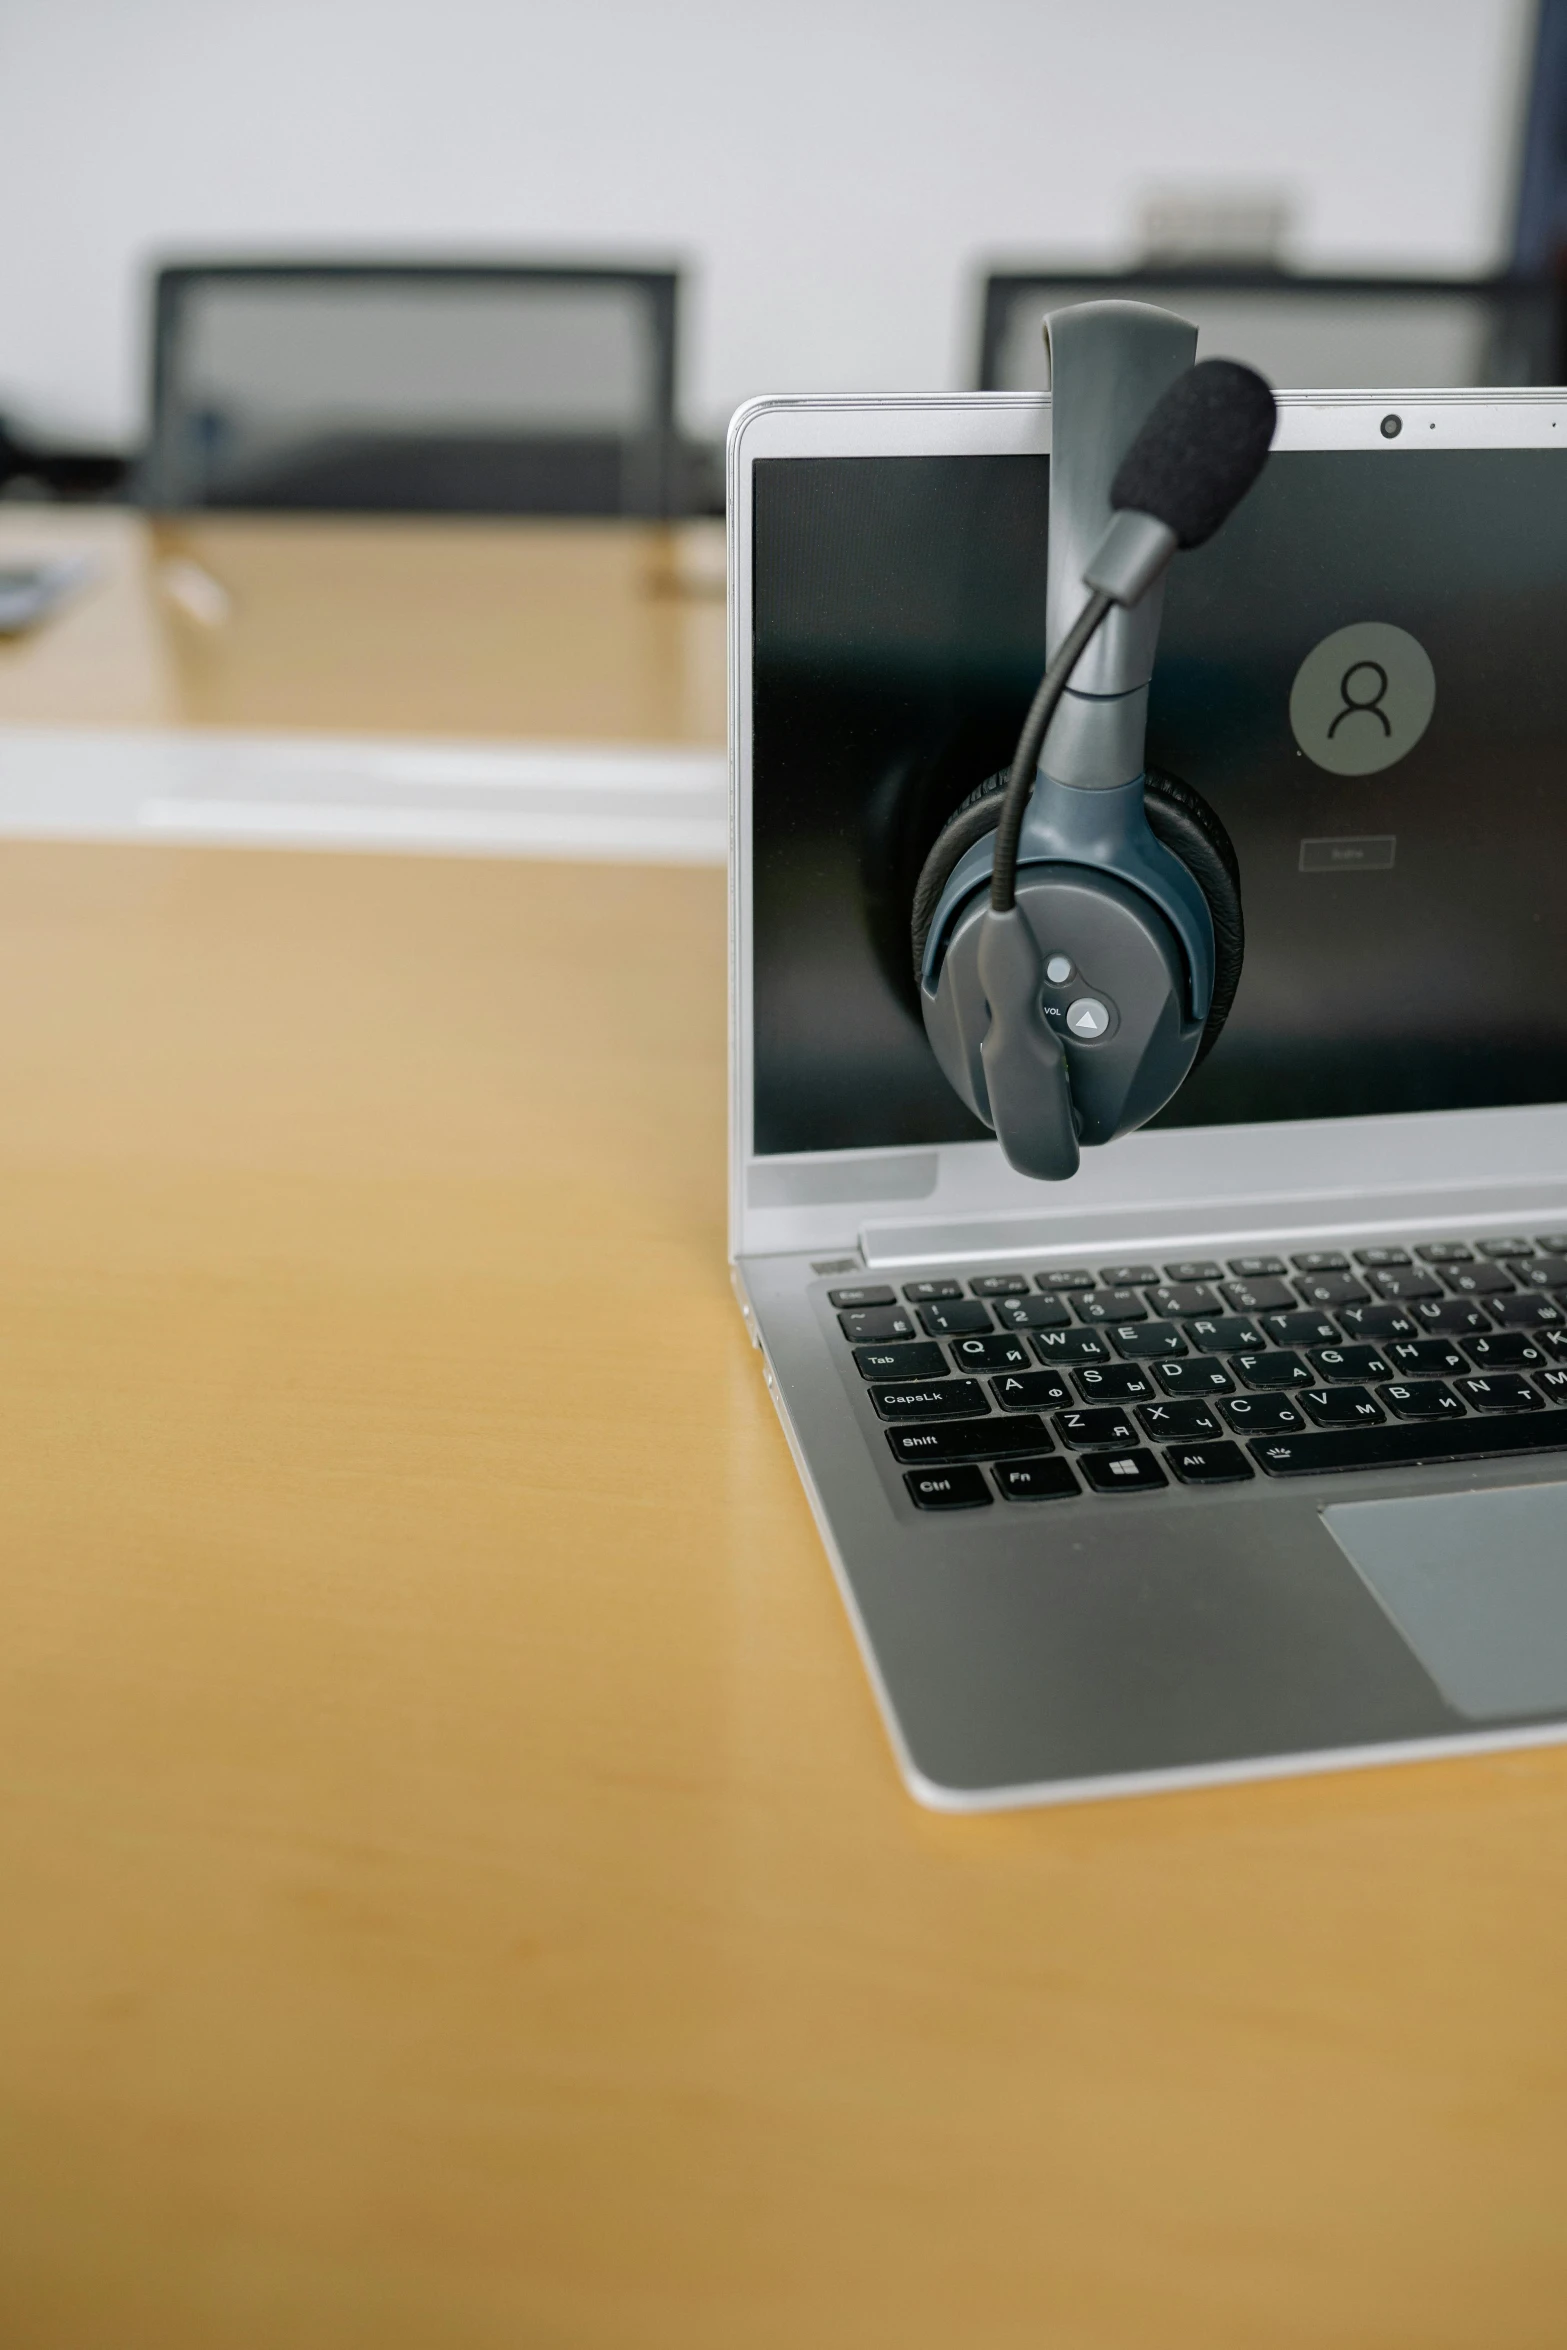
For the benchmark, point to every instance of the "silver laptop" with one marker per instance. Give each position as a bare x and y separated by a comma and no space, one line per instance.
1245,1451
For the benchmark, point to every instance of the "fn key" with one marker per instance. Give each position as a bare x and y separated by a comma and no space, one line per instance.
947,1489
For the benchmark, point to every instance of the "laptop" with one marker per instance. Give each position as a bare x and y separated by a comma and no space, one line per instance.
1244,1452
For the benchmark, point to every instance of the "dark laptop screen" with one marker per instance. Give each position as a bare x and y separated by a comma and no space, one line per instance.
1406,922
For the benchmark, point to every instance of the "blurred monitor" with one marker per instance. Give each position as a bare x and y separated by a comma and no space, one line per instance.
412,388
1303,333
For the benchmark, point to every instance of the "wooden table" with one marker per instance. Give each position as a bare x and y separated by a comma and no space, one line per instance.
455,1888
612,632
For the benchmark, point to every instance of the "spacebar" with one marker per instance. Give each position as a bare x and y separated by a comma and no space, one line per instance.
1403,1446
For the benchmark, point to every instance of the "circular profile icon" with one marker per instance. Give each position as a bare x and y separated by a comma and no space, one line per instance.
1362,698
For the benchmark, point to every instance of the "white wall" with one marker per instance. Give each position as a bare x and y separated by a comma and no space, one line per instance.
830,169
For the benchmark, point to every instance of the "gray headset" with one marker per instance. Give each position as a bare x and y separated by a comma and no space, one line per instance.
1077,928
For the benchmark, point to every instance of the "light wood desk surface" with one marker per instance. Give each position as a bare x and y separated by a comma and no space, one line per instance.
609,632
456,1893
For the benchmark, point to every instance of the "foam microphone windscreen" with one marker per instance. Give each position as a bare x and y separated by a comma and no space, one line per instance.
1200,450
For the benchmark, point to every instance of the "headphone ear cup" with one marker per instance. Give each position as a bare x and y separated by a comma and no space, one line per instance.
1182,820
970,821
1178,817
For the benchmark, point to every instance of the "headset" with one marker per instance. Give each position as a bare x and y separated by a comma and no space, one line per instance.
1077,927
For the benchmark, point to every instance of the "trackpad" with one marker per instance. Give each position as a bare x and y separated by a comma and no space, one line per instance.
1477,1584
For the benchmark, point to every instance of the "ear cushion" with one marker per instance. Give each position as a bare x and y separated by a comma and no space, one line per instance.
1178,817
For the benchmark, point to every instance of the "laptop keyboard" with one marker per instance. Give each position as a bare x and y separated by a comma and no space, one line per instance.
1132,1377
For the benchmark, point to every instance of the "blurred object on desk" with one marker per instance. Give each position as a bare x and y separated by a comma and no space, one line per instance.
413,388
34,466
598,632
29,592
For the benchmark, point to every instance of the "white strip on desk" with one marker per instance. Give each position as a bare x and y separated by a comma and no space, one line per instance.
631,803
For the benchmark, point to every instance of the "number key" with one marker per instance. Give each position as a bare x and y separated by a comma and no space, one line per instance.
960,1320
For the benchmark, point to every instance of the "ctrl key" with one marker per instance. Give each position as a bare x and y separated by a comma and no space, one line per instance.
947,1489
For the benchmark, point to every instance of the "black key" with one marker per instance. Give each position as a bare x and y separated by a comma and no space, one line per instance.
1406,1281
1109,1305
1209,1464
1498,1391
1263,1295
1504,1350
1105,1425
1165,1422
1530,1309
1454,1318
989,1354
970,1440
1186,1297
1253,1268
929,1399
927,1293
1479,1281
1541,1272
1193,1269
1321,1260
1382,1256
1420,1399
1553,1243
1426,1358
1271,1370
1073,1277
1552,1383
1339,1407
1111,1383
1446,1252
868,1294
1254,1413
1050,1479
961,1319
1195,1375
1032,1391
1555,1343
1387,1321
999,1285
1069,1346
1032,1313
947,1489
1127,1276
862,1323
1335,1363
1505,1248
1147,1342
1390,1447
1332,1289
922,1360
1304,1327
1227,1334
1123,1472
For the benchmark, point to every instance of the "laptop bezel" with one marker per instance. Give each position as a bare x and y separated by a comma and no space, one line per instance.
1185,1186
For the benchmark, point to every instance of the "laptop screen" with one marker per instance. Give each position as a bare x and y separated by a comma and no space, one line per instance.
1364,673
